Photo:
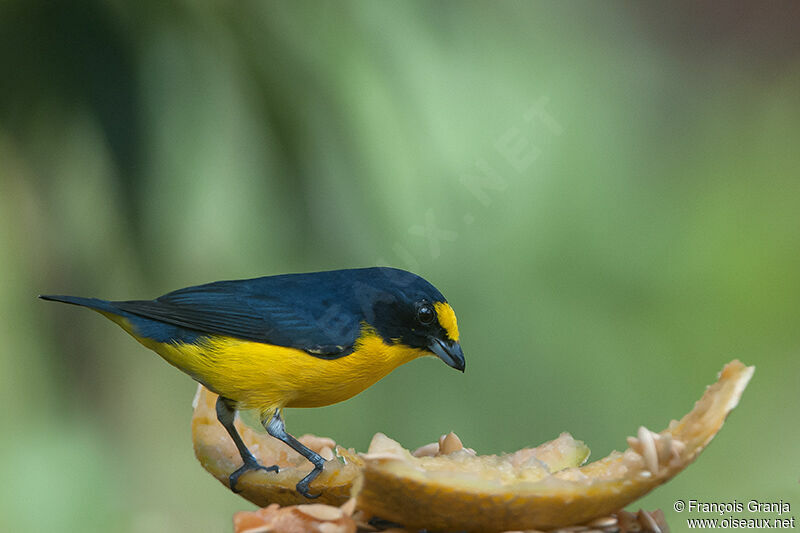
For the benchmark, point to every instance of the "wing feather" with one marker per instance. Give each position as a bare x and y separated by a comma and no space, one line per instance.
261,310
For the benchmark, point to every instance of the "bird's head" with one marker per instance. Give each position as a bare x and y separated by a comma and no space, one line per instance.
411,311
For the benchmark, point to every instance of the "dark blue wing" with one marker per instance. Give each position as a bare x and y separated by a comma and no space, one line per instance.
316,313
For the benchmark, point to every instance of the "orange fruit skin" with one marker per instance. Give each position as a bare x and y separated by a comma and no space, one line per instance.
427,506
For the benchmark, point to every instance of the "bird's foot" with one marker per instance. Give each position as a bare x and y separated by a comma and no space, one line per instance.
302,486
249,464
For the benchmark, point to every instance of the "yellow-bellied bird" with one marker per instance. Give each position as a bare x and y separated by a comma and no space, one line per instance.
295,340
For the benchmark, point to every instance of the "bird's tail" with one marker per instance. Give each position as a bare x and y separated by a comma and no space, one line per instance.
91,303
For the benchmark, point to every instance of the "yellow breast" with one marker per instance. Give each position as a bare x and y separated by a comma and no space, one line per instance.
267,377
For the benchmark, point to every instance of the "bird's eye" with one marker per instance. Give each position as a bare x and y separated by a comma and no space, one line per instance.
425,314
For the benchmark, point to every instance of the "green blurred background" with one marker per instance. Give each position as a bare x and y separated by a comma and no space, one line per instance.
607,193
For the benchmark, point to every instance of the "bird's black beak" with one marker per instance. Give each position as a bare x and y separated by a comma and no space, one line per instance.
449,352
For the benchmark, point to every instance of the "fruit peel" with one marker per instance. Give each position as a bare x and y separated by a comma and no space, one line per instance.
215,450
396,489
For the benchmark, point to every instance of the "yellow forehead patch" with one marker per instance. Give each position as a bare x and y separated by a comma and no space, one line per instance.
447,319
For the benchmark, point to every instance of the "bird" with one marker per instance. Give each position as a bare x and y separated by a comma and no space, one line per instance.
290,340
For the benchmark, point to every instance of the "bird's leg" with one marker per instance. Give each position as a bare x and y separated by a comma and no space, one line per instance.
226,414
277,429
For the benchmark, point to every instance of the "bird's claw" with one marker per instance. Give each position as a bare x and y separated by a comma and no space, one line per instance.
303,485
233,479
302,488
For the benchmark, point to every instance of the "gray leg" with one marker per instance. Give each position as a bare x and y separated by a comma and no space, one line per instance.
277,429
226,414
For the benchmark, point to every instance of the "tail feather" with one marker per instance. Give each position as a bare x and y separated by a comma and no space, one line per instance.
91,303
138,326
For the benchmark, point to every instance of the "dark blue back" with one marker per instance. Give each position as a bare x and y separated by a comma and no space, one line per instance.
319,312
